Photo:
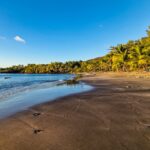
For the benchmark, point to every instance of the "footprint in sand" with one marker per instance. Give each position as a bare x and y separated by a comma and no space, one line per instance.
36,131
36,114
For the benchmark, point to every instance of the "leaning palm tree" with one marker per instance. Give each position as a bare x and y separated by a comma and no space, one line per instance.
119,57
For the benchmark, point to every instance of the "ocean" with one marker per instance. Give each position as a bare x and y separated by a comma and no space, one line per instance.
19,92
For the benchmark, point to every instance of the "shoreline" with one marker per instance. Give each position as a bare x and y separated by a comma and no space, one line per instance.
28,100
50,102
95,120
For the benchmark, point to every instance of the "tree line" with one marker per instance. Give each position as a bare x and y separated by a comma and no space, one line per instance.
132,56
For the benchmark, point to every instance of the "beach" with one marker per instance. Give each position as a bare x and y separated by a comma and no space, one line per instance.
114,115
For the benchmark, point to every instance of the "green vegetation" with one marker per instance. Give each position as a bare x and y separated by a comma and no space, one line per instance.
133,56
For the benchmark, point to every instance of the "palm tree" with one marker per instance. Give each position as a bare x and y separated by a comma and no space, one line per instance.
119,57
138,56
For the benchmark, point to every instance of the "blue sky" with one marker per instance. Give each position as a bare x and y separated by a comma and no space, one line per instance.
41,31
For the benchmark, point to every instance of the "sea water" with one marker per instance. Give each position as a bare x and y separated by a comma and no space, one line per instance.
18,92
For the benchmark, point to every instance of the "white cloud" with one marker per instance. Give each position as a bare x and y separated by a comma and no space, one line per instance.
19,39
2,38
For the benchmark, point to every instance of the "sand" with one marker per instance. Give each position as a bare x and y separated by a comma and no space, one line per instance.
115,115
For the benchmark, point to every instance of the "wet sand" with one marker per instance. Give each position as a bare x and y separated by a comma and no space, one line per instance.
115,115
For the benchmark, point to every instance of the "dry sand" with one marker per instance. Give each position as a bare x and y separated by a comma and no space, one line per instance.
113,116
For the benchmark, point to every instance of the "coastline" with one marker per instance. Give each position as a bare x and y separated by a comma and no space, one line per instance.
114,115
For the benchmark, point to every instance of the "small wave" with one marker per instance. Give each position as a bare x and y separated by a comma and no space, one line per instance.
21,83
12,90
61,80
